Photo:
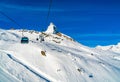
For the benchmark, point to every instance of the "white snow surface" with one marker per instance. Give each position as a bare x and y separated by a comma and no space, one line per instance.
51,29
113,48
66,60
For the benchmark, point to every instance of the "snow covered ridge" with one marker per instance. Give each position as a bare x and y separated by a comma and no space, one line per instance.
52,56
113,48
51,29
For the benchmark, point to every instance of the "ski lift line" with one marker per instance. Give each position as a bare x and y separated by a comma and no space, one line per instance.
10,18
12,21
50,5
48,13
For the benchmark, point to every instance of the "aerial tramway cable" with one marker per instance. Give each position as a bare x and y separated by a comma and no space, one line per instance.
49,9
11,20
48,14
23,39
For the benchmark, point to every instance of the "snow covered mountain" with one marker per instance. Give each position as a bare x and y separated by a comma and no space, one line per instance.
56,58
113,48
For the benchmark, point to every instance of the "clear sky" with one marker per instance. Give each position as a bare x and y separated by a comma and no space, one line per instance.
77,18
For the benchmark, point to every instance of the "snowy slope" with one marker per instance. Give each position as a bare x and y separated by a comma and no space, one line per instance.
6,77
65,60
113,48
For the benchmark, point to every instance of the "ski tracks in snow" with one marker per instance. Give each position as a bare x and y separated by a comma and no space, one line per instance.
31,68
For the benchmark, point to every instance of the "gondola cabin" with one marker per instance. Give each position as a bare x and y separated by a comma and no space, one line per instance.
24,40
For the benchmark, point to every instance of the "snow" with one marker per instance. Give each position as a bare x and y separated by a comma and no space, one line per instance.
51,29
66,60
113,48
6,77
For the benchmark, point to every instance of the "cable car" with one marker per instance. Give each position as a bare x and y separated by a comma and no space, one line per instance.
24,40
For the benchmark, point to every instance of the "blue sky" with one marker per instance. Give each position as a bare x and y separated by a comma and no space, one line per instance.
76,18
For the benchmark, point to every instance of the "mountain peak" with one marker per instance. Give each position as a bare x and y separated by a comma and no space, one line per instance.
51,29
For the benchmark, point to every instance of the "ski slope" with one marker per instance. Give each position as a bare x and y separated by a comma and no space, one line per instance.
65,59
6,77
